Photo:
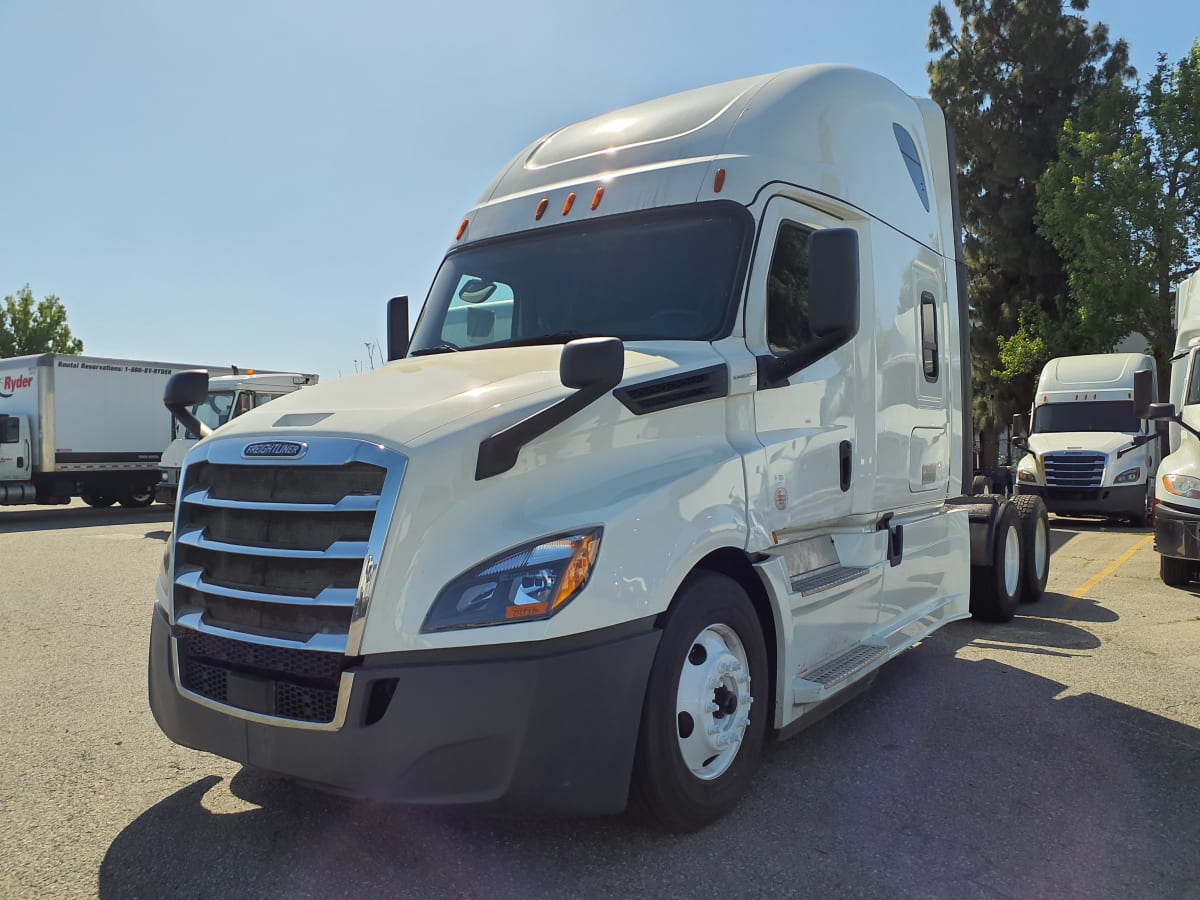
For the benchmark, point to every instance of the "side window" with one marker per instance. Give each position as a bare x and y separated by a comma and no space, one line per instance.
1193,393
10,430
261,398
929,337
787,291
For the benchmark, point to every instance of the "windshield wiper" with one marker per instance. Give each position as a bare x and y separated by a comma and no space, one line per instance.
436,348
556,337
1140,441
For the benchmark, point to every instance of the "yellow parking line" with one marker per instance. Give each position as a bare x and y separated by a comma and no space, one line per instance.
1082,590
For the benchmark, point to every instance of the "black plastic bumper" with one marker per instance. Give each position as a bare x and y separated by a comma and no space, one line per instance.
548,727
1121,500
1176,533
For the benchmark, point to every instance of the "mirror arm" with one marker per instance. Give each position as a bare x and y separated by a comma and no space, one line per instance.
190,422
774,371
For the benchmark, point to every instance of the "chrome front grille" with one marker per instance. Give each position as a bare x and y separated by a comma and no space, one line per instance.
273,566
1073,470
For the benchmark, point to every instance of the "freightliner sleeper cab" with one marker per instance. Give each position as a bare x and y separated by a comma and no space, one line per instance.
675,461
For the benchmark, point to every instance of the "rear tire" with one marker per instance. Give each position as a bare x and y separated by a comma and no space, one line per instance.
698,746
980,486
996,589
1173,571
1035,531
99,501
138,500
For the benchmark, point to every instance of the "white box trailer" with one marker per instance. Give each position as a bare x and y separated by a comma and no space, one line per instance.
677,460
83,426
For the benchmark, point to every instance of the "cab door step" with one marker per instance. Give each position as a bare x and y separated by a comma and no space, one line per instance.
817,684
825,578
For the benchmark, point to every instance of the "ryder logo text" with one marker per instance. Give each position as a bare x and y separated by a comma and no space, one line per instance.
14,384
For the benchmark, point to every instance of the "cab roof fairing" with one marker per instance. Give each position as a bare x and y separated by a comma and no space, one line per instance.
828,129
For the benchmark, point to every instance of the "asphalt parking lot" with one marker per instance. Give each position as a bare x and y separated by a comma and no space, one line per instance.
1054,756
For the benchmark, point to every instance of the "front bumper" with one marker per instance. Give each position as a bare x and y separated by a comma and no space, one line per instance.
1176,532
548,728
165,493
1120,500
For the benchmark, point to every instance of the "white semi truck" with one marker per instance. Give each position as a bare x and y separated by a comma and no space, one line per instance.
675,461
229,396
1089,453
1177,489
82,426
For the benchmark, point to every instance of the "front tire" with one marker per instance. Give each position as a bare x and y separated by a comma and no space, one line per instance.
996,589
138,500
706,707
97,500
1173,571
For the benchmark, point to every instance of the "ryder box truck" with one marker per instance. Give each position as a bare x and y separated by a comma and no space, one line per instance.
82,426
675,462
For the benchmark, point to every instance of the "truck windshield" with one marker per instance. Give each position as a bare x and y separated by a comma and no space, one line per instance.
213,412
664,274
1103,415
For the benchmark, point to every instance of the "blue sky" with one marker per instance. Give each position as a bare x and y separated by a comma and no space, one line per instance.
231,182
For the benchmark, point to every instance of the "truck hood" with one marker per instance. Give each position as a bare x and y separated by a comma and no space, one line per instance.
1105,442
410,399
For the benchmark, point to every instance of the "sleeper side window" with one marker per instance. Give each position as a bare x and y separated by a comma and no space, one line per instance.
929,337
10,430
788,325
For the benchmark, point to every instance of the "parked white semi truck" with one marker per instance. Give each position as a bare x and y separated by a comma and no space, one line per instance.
675,461
1089,454
1177,489
229,396
82,426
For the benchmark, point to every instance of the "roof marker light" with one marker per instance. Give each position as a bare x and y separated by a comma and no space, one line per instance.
541,208
462,229
597,197
719,181
570,202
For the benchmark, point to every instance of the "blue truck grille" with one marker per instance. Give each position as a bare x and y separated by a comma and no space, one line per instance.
1074,470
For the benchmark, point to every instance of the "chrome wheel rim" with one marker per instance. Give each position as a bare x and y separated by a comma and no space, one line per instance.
712,702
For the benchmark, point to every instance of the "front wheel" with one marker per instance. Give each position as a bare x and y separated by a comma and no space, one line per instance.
99,501
138,500
706,707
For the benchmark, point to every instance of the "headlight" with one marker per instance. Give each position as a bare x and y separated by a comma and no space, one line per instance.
521,585
1027,476
1182,486
1129,476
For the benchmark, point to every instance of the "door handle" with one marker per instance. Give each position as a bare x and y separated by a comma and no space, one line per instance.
846,453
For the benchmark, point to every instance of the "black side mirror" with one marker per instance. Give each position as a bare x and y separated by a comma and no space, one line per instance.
832,303
833,283
184,390
1143,389
1161,412
592,362
397,328
1020,425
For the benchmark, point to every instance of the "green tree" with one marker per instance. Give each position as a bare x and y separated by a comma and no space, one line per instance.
1007,78
29,327
1122,207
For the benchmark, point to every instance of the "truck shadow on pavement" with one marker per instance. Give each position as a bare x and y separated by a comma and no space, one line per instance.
949,778
63,518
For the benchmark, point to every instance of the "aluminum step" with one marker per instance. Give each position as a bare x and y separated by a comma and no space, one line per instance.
825,578
818,683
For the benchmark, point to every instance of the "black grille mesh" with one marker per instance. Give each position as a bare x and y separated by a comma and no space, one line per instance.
304,683
286,483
